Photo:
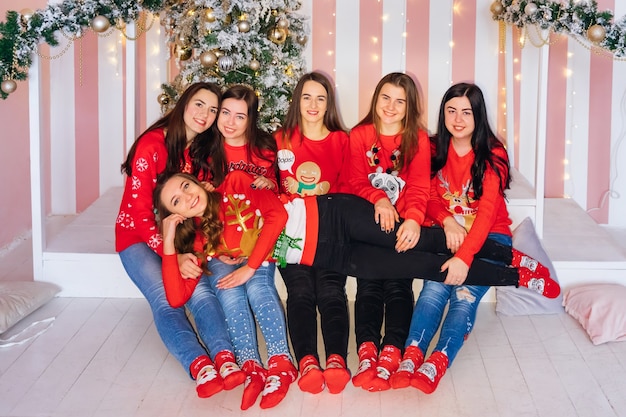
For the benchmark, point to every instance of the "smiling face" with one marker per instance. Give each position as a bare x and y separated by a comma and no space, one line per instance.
313,102
232,121
200,113
459,118
308,173
182,196
391,108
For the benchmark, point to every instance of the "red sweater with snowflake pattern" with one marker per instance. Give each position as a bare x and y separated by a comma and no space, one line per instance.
136,222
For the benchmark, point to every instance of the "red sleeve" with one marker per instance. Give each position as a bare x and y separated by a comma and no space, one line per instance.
177,289
343,178
361,139
489,208
149,160
417,192
271,209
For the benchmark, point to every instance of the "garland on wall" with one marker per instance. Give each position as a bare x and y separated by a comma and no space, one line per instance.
254,42
580,19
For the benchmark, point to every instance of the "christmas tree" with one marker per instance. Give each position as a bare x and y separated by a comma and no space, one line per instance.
255,42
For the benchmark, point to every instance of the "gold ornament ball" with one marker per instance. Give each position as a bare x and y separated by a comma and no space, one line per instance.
302,39
496,8
163,99
209,16
208,59
100,24
596,33
218,52
243,26
184,53
25,16
183,40
254,65
277,35
282,23
8,86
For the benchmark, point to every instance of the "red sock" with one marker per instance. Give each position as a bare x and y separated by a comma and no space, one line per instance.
336,374
427,377
311,376
388,363
255,381
521,260
208,381
368,352
412,359
545,286
280,374
229,370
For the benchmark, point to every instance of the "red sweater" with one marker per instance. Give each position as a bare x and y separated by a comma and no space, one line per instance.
312,167
136,222
450,196
414,193
239,159
253,220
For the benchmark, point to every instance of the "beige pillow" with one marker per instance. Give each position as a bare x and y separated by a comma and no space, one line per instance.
20,298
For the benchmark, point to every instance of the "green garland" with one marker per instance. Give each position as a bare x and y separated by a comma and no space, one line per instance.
20,35
579,19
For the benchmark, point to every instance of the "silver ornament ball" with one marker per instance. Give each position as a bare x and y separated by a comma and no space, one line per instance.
8,86
100,24
530,9
226,63
243,26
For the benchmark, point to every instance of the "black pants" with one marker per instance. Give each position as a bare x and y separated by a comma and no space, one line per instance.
309,290
391,300
350,242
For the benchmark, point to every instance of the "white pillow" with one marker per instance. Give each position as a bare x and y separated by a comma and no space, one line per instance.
20,298
600,309
511,301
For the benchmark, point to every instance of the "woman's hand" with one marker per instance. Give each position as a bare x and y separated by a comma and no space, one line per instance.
238,277
188,265
457,271
385,215
260,182
455,234
408,235
208,186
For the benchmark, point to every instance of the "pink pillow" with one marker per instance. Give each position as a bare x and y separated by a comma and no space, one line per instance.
600,309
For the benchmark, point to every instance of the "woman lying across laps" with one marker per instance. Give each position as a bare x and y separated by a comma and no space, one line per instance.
343,239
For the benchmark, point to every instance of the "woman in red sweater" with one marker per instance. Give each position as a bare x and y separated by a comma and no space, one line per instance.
177,137
313,149
332,231
390,167
470,173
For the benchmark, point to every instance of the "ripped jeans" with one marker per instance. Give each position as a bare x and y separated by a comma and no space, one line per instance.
459,320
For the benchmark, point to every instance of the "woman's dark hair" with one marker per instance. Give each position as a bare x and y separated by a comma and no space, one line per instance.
483,140
412,122
332,120
176,135
210,223
259,141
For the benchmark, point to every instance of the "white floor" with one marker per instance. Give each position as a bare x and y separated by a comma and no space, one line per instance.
103,357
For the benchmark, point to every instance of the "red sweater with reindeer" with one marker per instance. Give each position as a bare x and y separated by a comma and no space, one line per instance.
312,167
450,194
253,220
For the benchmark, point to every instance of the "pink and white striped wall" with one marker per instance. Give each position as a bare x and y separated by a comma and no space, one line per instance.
102,92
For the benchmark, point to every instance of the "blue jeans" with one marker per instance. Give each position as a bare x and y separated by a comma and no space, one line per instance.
143,266
260,294
460,318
